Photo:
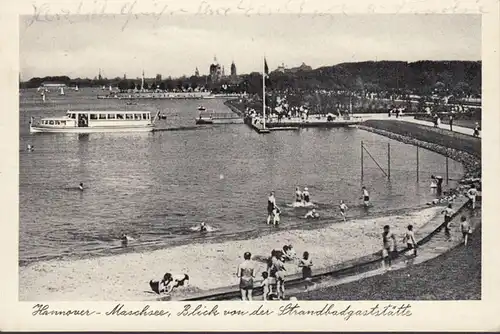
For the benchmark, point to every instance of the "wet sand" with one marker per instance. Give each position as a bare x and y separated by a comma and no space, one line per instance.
209,265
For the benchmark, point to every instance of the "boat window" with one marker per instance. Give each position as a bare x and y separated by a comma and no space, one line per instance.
73,116
137,116
93,116
129,116
51,122
63,122
144,116
119,116
111,116
102,116
57,122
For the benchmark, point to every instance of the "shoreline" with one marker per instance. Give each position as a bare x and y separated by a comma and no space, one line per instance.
126,276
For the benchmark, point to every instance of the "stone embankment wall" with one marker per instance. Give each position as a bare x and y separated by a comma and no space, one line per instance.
461,148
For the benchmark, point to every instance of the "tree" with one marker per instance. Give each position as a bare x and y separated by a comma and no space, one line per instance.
123,85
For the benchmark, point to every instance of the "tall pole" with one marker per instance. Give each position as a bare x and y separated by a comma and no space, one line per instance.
417,165
264,92
388,161
447,178
362,160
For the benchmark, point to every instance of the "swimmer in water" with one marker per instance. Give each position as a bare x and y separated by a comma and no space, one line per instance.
203,227
80,186
298,195
125,239
343,209
30,147
306,195
312,214
271,204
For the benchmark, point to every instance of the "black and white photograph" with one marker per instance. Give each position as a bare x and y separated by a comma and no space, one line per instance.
240,157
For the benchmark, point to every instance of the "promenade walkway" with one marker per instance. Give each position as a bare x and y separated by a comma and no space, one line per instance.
411,119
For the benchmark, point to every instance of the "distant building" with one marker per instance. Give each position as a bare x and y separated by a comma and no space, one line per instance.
223,72
196,72
281,68
49,84
233,70
158,78
215,71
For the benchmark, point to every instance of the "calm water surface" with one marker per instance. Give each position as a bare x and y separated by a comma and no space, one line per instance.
157,186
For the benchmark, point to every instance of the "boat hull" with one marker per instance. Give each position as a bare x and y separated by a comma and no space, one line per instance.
39,129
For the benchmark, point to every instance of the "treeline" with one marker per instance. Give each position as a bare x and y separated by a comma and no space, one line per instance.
458,78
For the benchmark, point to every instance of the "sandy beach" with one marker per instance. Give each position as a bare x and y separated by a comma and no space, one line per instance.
209,265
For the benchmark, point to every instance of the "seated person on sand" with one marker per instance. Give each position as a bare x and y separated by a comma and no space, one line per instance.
312,214
289,253
169,282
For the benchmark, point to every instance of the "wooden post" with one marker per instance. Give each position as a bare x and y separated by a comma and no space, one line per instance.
417,166
388,161
362,148
447,178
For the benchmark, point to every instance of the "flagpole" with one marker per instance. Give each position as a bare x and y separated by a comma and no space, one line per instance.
264,92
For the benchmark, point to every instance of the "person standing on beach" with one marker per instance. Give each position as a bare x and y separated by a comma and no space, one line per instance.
448,214
477,130
472,193
298,195
306,263
389,246
343,209
366,196
246,274
465,228
305,195
271,204
277,270
451,122
439,183
410,241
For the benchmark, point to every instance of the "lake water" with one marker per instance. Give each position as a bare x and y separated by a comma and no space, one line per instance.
157,186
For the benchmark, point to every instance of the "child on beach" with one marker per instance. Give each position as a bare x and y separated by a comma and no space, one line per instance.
276,216
465,228
410,241
306,263
266,285
343,209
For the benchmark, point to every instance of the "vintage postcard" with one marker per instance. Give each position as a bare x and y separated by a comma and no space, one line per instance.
208,165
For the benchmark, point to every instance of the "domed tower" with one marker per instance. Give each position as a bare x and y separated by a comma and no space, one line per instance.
215,71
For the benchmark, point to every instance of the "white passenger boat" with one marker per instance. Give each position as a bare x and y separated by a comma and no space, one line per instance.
95,121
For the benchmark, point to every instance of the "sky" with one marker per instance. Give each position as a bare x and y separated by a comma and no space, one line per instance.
175,45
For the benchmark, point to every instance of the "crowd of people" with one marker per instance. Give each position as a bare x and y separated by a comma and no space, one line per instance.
274,277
